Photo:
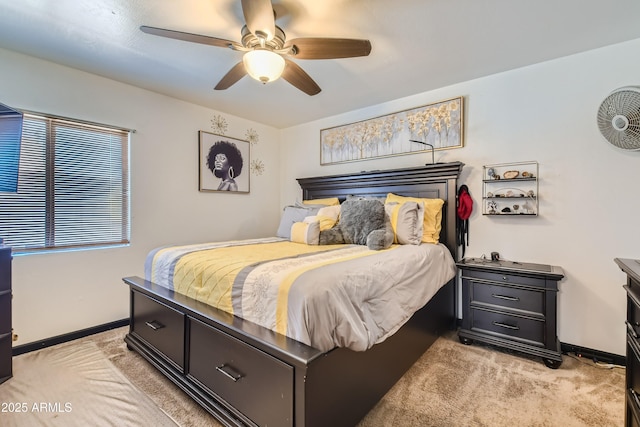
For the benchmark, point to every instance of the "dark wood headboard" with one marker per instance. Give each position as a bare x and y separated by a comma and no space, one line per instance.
439,180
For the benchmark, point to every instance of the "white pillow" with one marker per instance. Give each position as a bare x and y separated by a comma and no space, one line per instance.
291,215
407,221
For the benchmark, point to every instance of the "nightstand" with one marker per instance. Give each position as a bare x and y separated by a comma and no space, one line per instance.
511,305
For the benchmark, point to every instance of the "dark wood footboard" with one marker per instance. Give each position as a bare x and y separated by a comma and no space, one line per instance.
246,375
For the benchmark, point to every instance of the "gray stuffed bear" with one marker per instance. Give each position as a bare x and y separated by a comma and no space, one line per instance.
362,222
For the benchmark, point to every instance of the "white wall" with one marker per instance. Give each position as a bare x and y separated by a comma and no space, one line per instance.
589,190
63,292
546,112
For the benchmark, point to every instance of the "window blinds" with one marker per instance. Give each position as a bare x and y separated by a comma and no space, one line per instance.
72,187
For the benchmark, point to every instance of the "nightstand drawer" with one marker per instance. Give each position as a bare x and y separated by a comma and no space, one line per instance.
257,384
515,327
159,325
505,278
508,296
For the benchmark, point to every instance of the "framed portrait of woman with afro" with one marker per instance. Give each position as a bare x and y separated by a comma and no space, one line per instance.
224,163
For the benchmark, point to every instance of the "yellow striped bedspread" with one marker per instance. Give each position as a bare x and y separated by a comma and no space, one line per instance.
324,296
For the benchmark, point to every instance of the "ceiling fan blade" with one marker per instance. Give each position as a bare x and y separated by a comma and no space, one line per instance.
328,48
195,38
299,78
236,73
259,17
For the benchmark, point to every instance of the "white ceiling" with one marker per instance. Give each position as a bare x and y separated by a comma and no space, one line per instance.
417,45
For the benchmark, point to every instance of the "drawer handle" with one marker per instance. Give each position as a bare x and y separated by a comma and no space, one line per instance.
505,278
154,324
634,396
504,325
631,330
228,372
508,298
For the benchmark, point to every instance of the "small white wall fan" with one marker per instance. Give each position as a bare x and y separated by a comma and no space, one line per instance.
619,118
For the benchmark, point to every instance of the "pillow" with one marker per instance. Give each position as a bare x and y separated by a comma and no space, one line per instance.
382,238
432,224
328,216
364,222
305,232
331,201
332,236
356,197
407,221
358,218
291,215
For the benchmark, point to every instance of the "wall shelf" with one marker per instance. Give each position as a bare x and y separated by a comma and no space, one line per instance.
510,189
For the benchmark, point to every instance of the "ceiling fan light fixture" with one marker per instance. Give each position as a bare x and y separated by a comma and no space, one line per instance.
263,65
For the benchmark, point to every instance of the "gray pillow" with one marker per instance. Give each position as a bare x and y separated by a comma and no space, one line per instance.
359,218
292,214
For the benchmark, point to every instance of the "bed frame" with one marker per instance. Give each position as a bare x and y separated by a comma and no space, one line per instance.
247,375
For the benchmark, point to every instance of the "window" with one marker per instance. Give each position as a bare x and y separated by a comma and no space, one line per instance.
72,187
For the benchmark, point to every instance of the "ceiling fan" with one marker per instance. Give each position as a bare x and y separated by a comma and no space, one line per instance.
267,51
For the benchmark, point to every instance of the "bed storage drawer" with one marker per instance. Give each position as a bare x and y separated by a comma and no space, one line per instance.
159,325
255,383
515,327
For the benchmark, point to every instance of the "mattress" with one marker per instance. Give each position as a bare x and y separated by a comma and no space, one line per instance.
323,296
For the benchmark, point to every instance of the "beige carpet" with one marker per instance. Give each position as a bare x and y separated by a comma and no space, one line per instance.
451,385
459,385
74,384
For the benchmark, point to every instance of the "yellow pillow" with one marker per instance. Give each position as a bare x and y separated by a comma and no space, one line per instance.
331,201
432,215
324,222
328,216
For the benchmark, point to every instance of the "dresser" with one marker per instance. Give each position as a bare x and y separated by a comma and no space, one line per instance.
5,313
512,305
631,268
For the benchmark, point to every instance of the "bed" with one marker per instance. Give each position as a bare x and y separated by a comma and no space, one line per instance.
248,373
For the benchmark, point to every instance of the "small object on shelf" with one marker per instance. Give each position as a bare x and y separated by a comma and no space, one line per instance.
530,193
511,174
527,175
515,208
491,173
506,210
492,206
489,194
